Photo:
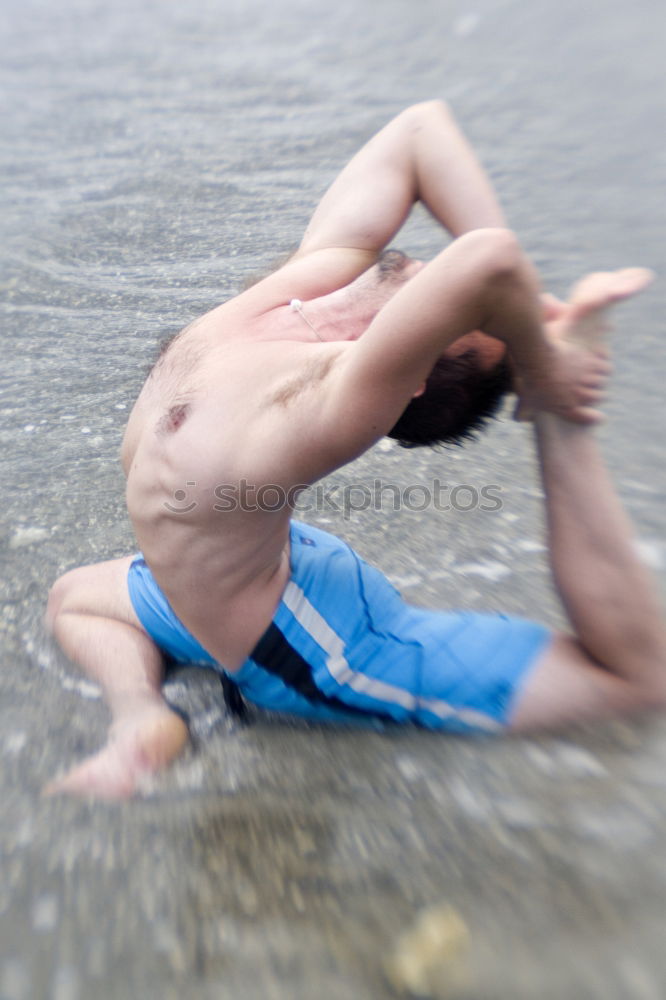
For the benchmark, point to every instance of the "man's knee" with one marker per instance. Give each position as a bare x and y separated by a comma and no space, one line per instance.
66,595
57,599
98,590
566,686
651,690
640,659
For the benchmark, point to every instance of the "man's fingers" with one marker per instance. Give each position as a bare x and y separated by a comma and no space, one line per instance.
602,288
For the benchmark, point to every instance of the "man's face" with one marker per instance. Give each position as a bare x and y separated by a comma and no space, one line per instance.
489,350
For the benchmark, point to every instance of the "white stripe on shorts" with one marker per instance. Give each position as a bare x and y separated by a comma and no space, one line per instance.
336,662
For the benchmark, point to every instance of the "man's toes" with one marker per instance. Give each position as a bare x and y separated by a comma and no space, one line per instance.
602,288
101,776
632,280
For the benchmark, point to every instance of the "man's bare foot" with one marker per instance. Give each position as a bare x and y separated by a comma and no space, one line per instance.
583,322
139,744
576,331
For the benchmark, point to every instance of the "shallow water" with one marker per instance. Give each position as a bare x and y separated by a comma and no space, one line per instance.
155,156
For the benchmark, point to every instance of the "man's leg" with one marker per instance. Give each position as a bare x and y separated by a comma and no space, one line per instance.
617,661
91,615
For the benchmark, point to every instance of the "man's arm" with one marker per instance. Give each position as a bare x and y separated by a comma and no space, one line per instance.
483,281
421,155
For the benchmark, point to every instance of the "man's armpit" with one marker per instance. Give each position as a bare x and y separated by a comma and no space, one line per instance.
308,378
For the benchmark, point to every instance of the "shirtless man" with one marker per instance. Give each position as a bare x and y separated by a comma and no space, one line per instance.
302,373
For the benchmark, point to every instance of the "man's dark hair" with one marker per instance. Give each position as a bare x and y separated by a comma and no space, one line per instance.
459,398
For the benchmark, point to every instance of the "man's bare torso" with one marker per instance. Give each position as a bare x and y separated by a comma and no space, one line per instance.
228,411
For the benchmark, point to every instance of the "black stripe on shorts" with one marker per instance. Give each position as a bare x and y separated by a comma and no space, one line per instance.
276,655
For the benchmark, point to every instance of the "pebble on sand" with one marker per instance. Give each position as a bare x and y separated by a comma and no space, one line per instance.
27,536
431,958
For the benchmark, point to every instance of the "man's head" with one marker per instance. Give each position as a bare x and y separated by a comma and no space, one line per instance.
460,395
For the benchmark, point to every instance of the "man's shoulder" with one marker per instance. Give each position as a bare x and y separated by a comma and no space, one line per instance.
307,275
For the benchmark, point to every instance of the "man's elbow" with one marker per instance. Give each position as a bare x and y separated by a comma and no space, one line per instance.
497,251
423,112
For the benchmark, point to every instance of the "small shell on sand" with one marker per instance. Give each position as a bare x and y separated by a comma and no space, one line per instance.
27,536
431,958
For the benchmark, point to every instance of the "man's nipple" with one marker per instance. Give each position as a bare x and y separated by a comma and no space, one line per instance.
174,417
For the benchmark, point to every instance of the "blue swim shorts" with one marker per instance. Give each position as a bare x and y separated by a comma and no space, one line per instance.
343,644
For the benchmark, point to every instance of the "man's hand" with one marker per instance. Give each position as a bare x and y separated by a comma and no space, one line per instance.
573,383
555,309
